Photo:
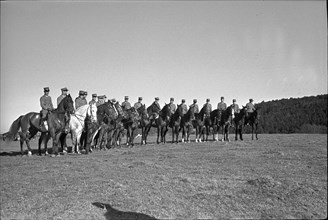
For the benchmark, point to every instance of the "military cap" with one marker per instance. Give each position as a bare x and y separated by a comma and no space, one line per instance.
207,100
140,98
81,92
94,95
222,97
64,89
46,89
113,100
195,100
250,100
85,93
126,97
100,97
183,101
156,98
234,100
171,99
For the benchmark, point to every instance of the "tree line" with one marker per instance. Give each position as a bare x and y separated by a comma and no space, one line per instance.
294,115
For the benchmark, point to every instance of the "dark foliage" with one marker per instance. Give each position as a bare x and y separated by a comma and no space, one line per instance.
294,115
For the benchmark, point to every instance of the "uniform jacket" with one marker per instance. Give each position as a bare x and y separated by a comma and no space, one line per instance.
235,107
196,107
92,102
126,105
208,108
184,108
155,107
60,98
222,106
46,103
250,107
79,102
137,105
173,108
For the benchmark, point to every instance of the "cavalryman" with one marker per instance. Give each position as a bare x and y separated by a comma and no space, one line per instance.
208,108
80,100
173,107
85,93
100,100
126,104
195,105
46,105
138,104
235,106
184,106
62,96
105,98
222,105
155,109
94,99
249,107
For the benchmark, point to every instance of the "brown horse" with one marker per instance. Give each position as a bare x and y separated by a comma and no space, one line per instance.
199,124
58,120
252,120
144,123
29,124
175,123
225,122
186,123
239,122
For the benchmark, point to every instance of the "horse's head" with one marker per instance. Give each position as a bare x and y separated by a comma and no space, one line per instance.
179,111
67,104
142,111
166,110
92,112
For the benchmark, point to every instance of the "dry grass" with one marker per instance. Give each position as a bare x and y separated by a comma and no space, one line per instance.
278,176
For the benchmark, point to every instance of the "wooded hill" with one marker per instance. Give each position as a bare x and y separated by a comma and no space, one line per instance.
294,115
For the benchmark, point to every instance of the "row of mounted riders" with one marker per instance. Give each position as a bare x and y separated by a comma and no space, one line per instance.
104,126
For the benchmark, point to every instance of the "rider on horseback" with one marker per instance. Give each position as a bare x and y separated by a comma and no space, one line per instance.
222,106
138,104
93,100
80,100
195,106
46,105
126,104
62,96
208,108
173,107
249,109
184,106
155,109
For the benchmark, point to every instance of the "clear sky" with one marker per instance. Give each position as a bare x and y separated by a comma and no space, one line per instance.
264,50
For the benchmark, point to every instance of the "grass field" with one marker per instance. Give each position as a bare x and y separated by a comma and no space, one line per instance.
276,177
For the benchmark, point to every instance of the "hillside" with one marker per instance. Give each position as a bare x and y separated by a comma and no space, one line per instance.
294,115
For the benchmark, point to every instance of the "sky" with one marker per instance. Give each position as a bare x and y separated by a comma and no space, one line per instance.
265,50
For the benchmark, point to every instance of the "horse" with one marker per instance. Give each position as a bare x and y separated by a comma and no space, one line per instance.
239,122
29,124
162,123
199,124
186,124
225,122
144,123
215,117
175,123
130,122
77,123
252,120
57,121
106,115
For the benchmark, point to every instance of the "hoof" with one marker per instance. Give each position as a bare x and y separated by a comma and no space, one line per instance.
29,153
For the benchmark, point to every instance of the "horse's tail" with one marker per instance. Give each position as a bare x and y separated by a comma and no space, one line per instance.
14,128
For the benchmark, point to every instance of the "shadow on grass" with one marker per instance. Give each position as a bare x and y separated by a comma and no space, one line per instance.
113,214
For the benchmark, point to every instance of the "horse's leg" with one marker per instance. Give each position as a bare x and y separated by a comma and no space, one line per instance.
40,142
252,131
172,134
21,142
236,131
166,129
46,143
256,131
241,132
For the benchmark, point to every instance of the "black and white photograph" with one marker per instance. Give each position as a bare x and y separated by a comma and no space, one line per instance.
163,109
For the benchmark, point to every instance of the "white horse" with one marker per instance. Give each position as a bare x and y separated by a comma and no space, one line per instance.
76,123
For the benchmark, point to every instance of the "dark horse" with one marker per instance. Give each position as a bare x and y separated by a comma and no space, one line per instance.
30,126
225,122
144,123
58,120
199,124
162,122
252,120
175,123
239,122
187,124
106,119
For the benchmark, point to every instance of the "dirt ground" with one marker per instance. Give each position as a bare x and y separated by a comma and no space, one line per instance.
276,177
